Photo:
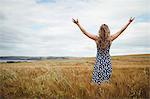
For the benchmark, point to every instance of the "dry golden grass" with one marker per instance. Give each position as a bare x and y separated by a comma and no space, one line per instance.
71,79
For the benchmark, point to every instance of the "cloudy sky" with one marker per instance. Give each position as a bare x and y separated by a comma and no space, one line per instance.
45,28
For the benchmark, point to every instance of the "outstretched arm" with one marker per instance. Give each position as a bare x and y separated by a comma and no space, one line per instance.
114,36
94,37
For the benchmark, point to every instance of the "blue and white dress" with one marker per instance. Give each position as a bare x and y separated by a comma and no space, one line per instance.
103,68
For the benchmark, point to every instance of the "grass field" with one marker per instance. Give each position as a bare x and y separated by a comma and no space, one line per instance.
70,79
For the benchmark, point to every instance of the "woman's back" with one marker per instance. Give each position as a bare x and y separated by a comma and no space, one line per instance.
103,67
103,51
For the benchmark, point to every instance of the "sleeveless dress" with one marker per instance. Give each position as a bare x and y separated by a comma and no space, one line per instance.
103,67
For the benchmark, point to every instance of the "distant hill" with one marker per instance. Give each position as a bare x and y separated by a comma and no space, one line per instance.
28,58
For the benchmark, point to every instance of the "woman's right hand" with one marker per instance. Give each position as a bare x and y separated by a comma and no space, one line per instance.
131,19
75,21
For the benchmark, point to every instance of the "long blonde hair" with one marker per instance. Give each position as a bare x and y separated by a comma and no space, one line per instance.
104,36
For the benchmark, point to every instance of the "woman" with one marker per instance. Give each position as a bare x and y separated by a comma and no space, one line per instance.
103,67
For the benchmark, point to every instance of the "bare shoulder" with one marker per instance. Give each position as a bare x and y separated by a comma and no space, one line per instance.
96,38
111,38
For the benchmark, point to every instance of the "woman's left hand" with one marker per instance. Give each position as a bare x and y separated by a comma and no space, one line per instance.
75,21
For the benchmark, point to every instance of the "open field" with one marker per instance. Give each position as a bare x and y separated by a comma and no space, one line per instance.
70,79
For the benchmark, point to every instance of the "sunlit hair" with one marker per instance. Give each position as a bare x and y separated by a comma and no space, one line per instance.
104,34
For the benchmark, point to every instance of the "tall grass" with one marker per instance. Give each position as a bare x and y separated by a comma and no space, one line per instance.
71,79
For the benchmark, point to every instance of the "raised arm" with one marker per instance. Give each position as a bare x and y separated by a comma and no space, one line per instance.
114,36
91,36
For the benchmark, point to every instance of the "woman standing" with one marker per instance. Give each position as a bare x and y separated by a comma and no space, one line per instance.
103,67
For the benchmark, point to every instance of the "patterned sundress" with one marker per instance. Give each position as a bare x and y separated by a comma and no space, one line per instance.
103,68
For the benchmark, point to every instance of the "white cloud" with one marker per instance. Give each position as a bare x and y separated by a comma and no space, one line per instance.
41,28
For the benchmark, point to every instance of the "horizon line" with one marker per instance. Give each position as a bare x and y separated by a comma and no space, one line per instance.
73,56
